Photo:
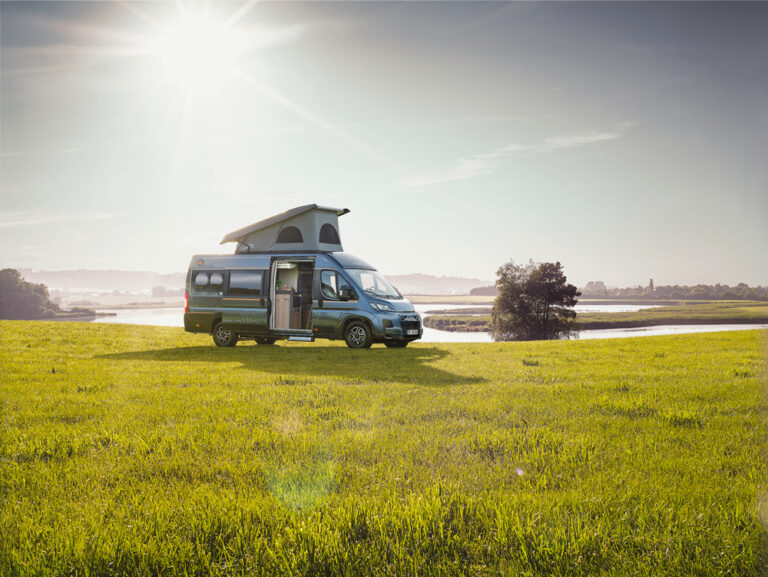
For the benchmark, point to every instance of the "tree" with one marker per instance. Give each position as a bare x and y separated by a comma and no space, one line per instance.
595,288
22,300
534,303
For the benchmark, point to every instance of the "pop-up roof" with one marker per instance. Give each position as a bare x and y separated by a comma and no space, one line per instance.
308,227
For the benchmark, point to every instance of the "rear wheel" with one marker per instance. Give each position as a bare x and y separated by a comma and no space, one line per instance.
224,338
396,344
358,335
265,340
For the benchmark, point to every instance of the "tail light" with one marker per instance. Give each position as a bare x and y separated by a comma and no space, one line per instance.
186,303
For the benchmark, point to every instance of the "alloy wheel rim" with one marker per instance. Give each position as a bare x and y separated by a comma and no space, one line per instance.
357,335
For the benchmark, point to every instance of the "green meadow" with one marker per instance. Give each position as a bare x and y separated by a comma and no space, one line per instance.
128,450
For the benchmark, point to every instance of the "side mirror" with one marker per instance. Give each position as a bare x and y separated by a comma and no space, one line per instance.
345,293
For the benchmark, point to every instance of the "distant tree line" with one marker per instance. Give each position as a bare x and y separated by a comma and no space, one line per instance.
161,291
597,289
742,291
486,291
21,300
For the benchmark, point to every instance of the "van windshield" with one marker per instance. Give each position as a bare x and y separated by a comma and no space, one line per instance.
373,283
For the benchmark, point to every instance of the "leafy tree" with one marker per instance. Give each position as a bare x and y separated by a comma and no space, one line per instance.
22,300
534,303
595,288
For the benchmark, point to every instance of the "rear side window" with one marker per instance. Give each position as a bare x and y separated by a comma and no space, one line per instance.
246,282
208,281
216,279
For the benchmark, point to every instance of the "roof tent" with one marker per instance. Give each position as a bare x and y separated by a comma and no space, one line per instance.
308,227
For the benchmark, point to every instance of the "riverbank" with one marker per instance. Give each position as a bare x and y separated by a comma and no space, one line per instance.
709,313
97,302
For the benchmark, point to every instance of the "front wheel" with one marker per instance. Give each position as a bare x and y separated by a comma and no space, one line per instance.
396,344
358,335
224,338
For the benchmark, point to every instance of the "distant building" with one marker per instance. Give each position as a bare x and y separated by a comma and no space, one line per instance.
650,288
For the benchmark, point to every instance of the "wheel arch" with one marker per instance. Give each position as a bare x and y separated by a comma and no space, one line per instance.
350,319
217,320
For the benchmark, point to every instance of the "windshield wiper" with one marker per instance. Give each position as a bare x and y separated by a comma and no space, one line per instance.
382,295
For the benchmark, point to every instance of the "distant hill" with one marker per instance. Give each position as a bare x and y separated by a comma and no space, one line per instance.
104,280
425,284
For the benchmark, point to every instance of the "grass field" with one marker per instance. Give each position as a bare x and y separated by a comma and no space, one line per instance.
130,450
693,312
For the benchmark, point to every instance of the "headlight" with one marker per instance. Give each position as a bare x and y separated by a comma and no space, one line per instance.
381,307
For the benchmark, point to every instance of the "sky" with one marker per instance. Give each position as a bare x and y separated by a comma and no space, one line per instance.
626,140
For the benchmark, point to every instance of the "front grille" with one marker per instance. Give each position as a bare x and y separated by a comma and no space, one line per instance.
410,325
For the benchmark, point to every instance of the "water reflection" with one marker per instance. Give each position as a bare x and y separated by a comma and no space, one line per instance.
175,318
663,330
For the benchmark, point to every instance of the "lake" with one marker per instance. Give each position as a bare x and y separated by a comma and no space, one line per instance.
174,317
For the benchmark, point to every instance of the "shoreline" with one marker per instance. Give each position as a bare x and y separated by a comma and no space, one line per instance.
481,326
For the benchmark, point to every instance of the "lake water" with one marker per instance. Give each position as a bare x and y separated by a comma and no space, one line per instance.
175,318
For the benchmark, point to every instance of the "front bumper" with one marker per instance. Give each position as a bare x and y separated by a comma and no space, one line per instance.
403,326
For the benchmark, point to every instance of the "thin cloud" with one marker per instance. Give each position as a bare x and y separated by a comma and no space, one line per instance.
466,168
484,163
21,220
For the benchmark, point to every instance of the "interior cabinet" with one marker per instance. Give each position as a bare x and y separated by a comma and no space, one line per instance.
283,309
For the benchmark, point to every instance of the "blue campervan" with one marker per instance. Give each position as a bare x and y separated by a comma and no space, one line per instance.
290,279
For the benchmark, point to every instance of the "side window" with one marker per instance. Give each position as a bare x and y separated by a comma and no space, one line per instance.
342,283
246,282
328,284
201,280
290,234
329,235
216,280
331,284
208,281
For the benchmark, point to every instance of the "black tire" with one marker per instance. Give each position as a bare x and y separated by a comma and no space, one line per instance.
224,338
358,335
265,340
396,344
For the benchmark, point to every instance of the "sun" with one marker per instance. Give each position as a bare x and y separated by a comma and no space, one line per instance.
198,52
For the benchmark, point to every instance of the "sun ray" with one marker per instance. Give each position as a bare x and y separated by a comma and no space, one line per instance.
240,13
146,18
286,102
182,8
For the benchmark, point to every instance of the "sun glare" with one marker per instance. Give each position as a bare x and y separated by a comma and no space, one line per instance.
199,52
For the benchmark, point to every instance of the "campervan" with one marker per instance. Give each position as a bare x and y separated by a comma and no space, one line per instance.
289,278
